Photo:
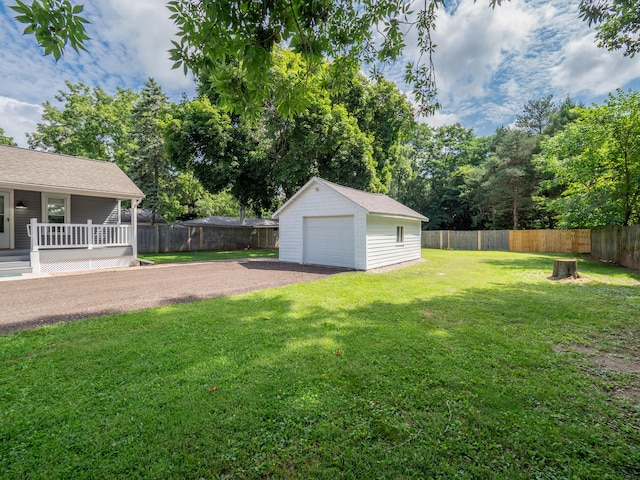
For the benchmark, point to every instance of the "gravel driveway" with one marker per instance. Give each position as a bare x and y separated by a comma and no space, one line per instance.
39,301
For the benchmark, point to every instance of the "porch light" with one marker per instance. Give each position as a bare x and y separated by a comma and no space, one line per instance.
21,205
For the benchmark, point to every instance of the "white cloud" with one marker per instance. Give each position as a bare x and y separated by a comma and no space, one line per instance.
474,41
439,119
129,43
17,117
585,68
138,38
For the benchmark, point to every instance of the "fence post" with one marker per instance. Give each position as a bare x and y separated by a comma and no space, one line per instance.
479,240
156,238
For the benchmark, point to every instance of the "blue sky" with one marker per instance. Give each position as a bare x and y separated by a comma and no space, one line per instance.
489,63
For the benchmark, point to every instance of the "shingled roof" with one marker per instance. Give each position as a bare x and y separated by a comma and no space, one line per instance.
372,203
21,168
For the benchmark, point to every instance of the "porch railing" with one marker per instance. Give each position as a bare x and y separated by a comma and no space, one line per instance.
77,235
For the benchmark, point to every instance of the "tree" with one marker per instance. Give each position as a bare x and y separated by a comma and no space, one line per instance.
4,140
388,118
324,141
617,23
537,115
149,168
89,124
563,115
596,162
266,159
224,152
444,160
54,23
509,180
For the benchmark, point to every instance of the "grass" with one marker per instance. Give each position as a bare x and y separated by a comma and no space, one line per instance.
469,365
203,256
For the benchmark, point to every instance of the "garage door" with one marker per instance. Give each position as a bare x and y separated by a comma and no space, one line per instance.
329,241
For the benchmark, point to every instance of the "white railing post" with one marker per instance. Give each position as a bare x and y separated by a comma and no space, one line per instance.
34,234
34,254
90,234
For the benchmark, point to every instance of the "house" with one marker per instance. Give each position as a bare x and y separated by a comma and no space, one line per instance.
329,224
62,213
144,217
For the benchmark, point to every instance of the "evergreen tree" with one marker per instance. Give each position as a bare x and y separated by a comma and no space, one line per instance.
149,167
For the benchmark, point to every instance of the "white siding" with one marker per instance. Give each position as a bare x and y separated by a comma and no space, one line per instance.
382,248
319,201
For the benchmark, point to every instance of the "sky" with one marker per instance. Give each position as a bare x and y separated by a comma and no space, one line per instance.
489,62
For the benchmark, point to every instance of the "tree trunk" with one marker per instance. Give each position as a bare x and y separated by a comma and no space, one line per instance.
565,268
242,215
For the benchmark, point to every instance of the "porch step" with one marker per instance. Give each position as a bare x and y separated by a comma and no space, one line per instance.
14,263
14,255
10,269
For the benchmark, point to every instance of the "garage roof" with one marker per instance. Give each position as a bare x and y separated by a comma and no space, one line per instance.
21,168
372,203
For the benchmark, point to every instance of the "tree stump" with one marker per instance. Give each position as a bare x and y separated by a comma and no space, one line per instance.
565,268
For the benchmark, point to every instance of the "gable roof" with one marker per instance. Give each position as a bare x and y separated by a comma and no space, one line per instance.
372,203
21,168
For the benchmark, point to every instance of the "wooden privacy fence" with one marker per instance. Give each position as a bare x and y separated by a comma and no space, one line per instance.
179,238
558,241
619,245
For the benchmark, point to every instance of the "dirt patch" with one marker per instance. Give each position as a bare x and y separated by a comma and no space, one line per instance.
608,360
617,364
632,395
612,361
40,301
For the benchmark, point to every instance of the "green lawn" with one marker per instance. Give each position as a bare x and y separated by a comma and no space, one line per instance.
469,365
202,256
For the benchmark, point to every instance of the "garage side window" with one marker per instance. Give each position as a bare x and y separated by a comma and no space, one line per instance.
400,235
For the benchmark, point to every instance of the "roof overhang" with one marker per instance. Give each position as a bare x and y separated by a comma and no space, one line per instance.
71,191
392,215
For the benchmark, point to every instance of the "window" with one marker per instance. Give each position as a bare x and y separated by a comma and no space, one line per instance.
55,208
400,234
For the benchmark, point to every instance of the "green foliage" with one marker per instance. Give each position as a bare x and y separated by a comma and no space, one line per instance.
537,115
221,204
406,374
149,168
233,44
562,115
348,133
225,153
617,23
183,197
90,124
444,160
509,180
596,162
54,23
4,140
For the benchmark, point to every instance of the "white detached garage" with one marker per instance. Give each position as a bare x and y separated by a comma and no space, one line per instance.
328,224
